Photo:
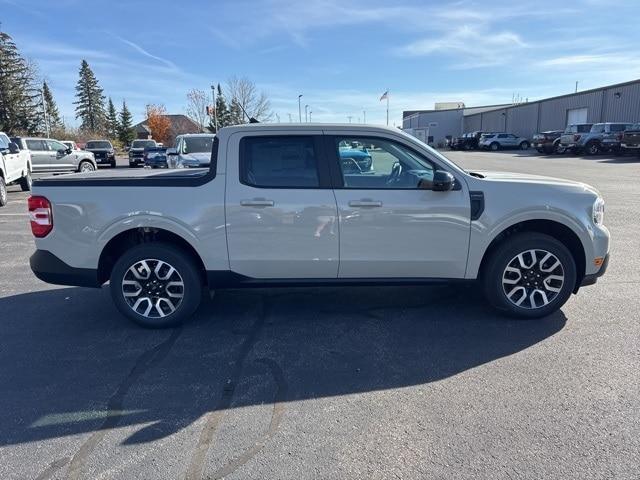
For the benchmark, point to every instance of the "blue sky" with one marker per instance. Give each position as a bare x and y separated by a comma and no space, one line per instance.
340,54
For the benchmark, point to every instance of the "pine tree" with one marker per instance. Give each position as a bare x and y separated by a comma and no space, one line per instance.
19,96
53,115
126,133
112,121
90,100
236,117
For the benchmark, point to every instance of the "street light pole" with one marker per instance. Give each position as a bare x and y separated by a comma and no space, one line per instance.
364,116
306,113
299,108
310,112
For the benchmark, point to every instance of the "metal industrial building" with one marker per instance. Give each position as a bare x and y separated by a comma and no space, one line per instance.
614,103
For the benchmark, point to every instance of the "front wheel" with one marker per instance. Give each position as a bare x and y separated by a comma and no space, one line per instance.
26,182
530,275
3,192
156,285
495,146
85,167
524,145
592,148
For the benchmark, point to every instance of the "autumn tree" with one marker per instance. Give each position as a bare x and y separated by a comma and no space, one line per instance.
197,101
158,123
90,100
126,133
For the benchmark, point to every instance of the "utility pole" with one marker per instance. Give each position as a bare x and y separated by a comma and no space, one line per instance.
299,108
364,116
306,113
215,110
44,109
576,86
310,112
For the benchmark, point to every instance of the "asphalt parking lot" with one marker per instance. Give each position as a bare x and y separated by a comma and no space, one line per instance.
389,382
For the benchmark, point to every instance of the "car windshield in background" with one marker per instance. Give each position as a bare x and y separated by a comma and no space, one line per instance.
143,144
98,145
197,144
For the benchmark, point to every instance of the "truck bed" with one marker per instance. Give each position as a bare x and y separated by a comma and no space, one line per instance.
129,177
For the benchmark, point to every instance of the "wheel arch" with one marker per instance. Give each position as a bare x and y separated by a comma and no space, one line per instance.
553,228
127,239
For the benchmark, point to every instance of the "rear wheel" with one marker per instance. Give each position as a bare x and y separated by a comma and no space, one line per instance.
524,145
531,275
156,285
26,182
3,192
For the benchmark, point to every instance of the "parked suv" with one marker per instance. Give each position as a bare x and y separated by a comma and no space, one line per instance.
468,141
601,137
192,150
548,142
136,151
103,151
276,207
631,139
15,167
498,141
48,155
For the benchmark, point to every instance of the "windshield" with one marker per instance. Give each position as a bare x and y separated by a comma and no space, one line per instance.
143,144
96,144
197,144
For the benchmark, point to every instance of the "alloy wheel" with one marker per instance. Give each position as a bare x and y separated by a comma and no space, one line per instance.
86,167
533,279
153,288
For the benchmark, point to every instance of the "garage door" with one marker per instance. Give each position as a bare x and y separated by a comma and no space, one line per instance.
577,115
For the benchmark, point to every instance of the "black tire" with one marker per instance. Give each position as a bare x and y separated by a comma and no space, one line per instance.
184,266
86,166
3,192
25,182
113,164
495,146
524,145
506,253
592,148
558,149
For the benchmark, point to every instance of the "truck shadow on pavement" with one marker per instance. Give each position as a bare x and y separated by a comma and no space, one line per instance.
71,364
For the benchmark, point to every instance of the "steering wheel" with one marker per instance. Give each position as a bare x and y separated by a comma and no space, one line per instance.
396,171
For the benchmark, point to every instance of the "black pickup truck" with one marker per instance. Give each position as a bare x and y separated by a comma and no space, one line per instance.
136,152
630,141
468,141
103,151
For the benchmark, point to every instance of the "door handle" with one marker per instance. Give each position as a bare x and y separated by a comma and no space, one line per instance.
257,202
365,203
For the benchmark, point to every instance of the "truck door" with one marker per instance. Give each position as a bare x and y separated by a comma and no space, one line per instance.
392,224
280,207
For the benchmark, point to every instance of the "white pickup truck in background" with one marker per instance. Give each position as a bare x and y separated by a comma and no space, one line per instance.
15,167
290,205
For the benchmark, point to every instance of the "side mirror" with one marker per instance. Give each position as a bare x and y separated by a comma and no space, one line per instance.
62,151
13,148
442,181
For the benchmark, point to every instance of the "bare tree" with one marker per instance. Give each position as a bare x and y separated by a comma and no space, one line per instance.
197,101
246,94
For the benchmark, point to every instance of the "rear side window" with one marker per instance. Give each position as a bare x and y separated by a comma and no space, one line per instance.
36,145
279,162
618,127
598,128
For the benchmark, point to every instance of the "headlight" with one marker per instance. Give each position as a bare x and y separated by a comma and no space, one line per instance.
598,211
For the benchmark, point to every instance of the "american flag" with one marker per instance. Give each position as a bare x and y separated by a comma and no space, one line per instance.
385,95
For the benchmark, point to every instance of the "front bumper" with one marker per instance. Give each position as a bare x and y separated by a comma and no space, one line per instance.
592,278
49,268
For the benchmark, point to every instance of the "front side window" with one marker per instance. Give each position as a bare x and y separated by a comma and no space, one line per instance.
598,128
279,162
56,146
378,163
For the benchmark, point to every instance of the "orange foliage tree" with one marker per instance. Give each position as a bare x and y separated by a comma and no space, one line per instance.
158,123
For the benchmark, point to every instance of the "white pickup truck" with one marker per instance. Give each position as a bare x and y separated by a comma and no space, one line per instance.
284,205
15,167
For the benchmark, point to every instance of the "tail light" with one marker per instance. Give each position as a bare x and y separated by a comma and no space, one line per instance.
576,138
41,216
